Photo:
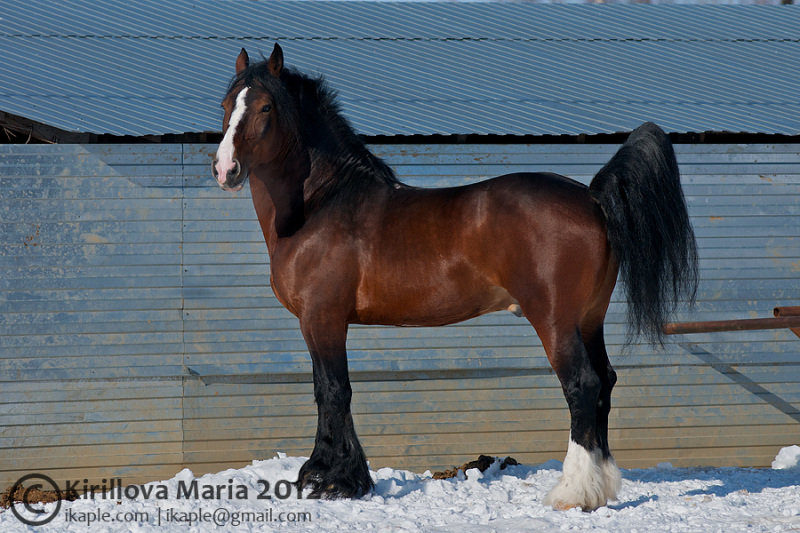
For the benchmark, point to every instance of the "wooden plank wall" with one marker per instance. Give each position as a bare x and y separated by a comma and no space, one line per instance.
138,333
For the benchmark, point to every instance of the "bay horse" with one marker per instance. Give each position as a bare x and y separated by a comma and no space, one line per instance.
350,244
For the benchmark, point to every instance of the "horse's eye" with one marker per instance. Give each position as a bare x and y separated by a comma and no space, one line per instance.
266,108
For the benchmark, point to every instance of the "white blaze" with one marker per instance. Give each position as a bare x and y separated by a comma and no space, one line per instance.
225,150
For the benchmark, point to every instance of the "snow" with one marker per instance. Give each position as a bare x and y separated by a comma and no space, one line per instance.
661,498
787,458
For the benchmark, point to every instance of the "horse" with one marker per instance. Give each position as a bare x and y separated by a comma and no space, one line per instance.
351,244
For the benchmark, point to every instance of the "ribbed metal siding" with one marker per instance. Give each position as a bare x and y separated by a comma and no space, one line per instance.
91,335
138,333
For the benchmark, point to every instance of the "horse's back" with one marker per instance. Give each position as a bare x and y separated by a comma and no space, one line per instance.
502,212
526,190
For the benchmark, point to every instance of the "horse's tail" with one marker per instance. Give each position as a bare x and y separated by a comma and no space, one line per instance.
639,190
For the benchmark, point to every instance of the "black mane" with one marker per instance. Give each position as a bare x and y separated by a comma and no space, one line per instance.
309,109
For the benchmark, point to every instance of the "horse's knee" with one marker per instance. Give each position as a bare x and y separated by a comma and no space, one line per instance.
333,394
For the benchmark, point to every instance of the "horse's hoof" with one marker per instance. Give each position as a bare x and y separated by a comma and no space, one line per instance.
566,506
332,491
331,485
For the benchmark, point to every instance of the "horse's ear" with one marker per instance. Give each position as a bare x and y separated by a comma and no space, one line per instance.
276,61
242,62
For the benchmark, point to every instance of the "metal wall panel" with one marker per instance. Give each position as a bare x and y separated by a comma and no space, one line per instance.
91,340
138,333
484,386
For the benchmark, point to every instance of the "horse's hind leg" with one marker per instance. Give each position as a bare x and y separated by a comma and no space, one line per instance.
584,481
596,348
337,466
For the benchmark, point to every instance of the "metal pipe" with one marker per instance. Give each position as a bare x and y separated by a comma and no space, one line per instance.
675,328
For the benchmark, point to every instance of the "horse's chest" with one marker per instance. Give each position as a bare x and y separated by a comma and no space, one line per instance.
312,273
283,295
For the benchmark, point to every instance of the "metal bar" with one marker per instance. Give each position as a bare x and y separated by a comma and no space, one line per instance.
675,328
787,311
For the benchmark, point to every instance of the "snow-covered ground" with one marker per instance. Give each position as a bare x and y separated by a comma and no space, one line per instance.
659,499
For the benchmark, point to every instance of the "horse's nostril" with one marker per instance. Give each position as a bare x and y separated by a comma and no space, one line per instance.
236,168
214,169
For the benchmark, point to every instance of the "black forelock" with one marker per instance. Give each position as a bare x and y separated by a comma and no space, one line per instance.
258,75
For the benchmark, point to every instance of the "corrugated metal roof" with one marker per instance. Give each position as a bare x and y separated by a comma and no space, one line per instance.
149,67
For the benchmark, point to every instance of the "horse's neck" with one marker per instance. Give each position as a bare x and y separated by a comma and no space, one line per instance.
286,195
277,191
265,211
347,175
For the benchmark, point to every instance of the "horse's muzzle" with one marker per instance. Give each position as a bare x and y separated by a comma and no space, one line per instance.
228,178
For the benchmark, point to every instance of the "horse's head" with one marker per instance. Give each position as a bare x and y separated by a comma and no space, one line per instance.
253,131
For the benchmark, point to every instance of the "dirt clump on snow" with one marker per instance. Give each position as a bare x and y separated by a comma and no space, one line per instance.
482,463
29,495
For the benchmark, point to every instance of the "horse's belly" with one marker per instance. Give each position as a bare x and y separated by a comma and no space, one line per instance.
416,304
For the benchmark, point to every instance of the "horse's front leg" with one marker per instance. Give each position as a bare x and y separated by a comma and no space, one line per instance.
337,467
